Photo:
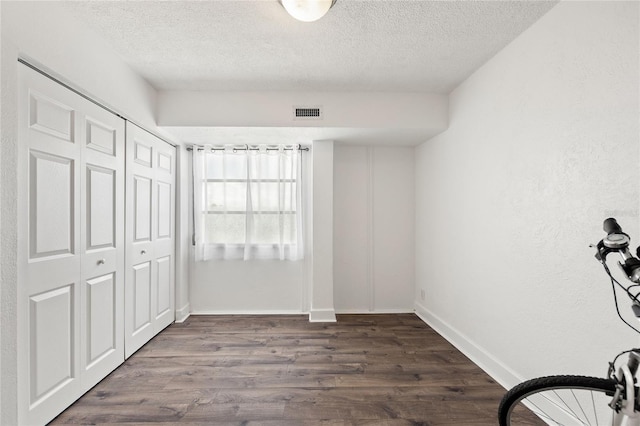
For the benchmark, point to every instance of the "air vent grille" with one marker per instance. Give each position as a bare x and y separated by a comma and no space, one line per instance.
307,113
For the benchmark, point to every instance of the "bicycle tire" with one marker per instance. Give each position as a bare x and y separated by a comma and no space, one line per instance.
512,413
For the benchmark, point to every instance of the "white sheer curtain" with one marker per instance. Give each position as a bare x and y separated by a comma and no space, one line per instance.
248,203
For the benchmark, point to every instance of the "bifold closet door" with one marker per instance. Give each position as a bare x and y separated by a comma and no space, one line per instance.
150,276
71,246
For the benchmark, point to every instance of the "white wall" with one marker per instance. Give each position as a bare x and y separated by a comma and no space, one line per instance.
247,287
543,145
75,55
183,233
374,229
365,118
321,303
275,109
8,237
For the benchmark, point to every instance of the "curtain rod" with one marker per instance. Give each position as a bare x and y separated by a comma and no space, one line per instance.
246,148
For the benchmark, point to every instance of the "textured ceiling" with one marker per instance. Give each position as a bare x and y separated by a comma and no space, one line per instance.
360,45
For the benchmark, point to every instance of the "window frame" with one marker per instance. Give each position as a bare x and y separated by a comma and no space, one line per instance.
273,245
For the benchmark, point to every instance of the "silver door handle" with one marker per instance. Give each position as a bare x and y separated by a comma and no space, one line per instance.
143,252
101,261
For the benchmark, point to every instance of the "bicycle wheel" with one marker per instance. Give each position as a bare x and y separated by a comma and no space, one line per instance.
558,400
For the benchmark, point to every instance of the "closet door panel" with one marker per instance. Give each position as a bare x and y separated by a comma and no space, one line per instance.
149,301
103,248
50,117
142,299
142,206
51,204
102,137
139,239
164,210
163,284
70,250
100,318
48,249
101,207
52,341
164,232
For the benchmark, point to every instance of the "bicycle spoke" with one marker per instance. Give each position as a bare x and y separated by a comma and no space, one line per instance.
580,406
569,408
557,400
593,405
540,413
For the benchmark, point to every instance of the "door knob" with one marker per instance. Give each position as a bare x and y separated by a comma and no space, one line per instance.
143,252
101,261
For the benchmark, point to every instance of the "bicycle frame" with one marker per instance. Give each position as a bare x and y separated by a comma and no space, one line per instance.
626,415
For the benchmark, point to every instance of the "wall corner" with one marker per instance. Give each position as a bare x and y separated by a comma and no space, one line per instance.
322,307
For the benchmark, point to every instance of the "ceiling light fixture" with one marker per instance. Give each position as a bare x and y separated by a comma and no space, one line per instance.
307,10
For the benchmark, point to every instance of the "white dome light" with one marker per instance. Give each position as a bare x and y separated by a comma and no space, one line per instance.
307,10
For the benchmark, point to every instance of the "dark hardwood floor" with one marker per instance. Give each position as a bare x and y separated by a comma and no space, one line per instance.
284,370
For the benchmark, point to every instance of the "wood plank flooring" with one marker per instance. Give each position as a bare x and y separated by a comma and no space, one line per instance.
284,370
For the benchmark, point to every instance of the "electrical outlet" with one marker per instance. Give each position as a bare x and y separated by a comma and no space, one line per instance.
422,294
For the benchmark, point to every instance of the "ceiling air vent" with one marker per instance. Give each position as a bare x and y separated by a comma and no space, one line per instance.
307,113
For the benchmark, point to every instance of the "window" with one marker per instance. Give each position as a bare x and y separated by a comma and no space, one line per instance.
248,203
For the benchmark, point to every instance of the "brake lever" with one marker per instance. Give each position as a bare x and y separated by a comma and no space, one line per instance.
602,250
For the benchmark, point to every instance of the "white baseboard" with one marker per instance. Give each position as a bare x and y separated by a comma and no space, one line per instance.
248,312
322,315
483,359
375,311
183,313
476,353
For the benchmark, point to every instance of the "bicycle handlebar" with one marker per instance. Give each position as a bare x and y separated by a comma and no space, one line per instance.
611,226
616,240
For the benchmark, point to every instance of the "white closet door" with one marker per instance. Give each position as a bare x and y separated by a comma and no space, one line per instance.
102,245
71,248
149,294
